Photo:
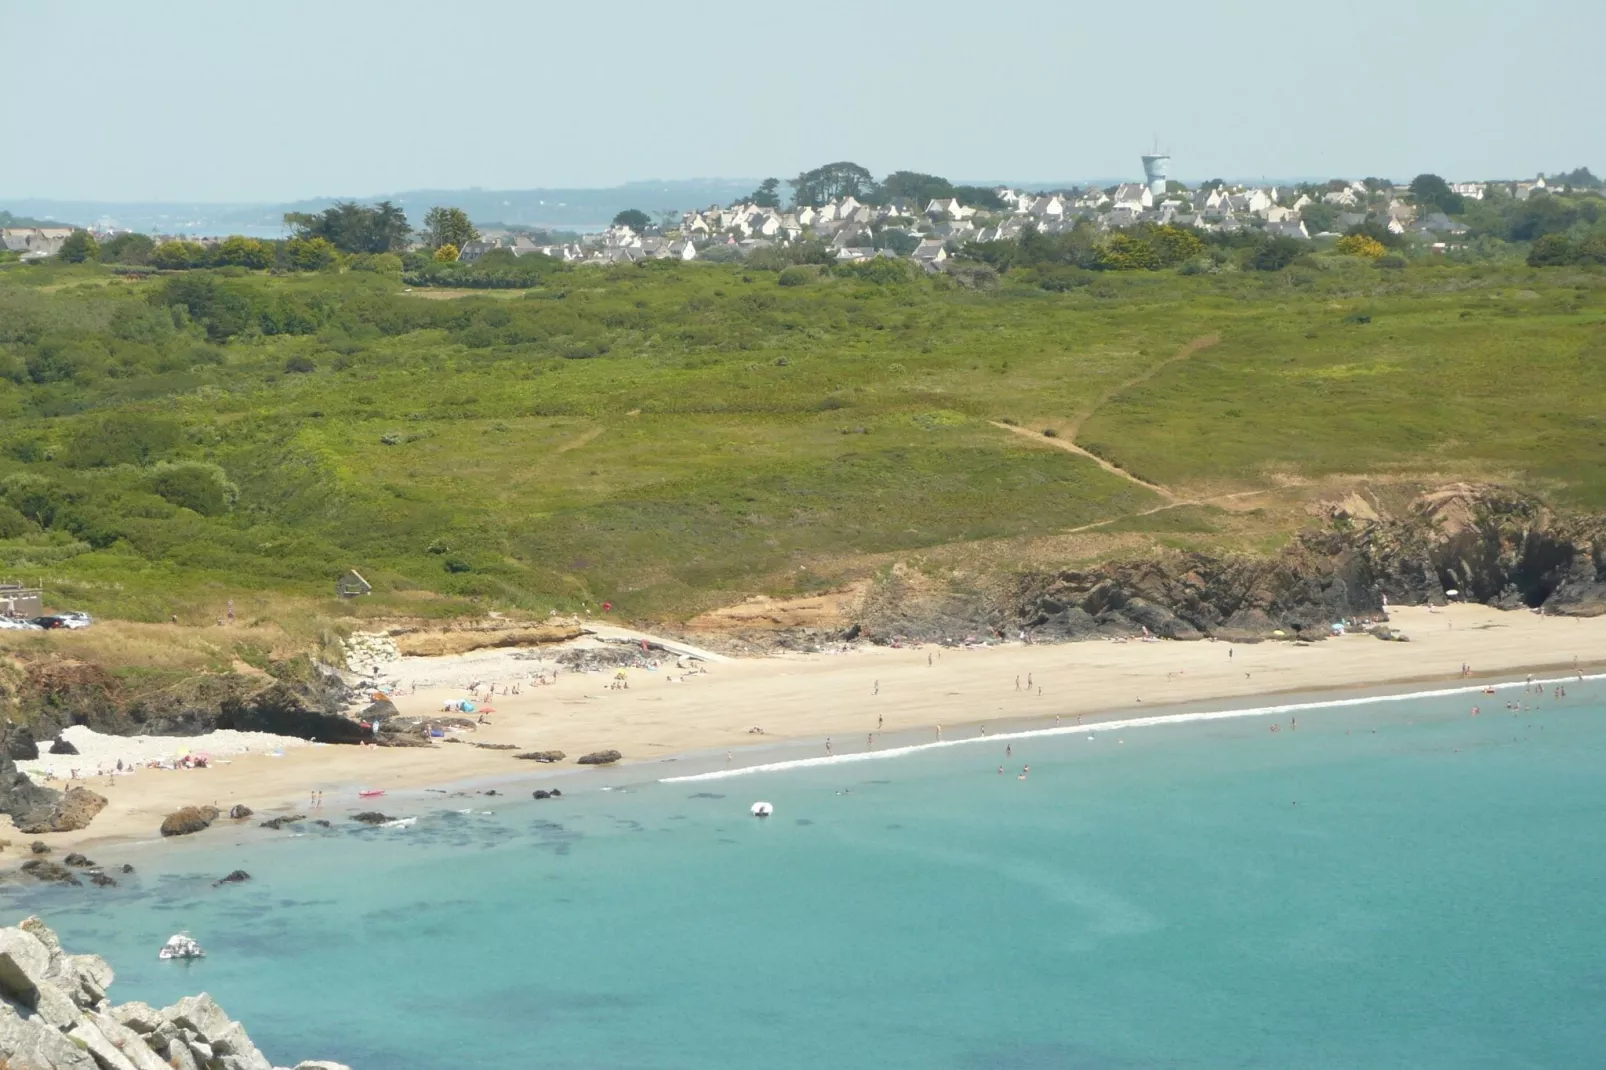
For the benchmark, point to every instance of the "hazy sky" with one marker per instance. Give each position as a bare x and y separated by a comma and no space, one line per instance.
271,100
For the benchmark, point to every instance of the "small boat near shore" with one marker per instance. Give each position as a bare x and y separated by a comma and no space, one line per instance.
371,793
762,809
181,946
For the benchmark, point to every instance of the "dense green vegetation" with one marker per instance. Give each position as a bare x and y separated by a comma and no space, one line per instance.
673,435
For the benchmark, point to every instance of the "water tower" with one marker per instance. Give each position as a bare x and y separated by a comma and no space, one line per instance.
1155,168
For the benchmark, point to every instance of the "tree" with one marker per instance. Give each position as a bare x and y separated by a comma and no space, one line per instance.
833,180
1433,192
920,189
238,251
768,194
1376,231
980,197
1318,216
1360,245
1552,250
448,226
79,247
308,254
1377,185
129,248
1273,253
354,228
1578,177
446,253
634,218
178,255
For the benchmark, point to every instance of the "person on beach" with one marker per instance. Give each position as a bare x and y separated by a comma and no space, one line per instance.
879,721
939,733
877,690
869,741
1017,683
827,745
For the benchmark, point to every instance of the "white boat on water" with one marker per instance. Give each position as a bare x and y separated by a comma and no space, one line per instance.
761,809
181,946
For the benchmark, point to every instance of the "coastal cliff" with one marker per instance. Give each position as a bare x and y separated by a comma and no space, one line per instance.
55,1015
1486,544
48,694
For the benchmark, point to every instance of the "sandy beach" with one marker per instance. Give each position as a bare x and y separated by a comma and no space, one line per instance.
808,697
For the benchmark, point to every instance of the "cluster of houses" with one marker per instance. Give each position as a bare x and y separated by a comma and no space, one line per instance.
928,234
34,243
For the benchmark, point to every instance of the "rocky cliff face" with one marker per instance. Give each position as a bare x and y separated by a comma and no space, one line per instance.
55,1015
49,695
1487,544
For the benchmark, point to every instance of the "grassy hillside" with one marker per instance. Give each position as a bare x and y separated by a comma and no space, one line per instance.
675,436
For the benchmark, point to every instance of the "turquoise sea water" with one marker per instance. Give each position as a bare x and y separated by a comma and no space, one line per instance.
1207,894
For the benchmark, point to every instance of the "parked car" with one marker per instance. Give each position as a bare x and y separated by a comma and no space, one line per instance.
17,624
75,619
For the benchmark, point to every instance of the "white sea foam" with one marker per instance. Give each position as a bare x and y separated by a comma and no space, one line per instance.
1108,726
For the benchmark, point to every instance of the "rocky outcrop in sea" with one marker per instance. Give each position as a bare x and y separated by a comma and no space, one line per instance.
55,1015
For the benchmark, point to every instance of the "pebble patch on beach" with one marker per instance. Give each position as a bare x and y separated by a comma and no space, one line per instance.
98,753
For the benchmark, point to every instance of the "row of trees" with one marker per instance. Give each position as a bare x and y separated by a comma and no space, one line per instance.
847,179
1558,250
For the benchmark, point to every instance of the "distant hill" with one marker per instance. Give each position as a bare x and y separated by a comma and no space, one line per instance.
569,209
9,220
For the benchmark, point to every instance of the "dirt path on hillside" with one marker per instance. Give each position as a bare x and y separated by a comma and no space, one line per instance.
1203,342
1067,442
1070,447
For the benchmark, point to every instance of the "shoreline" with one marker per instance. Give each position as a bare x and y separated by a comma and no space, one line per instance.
895,695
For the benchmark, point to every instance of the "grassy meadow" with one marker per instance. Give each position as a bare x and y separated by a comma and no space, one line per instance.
672,437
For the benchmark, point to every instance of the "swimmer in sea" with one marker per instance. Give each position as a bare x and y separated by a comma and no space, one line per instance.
1009,749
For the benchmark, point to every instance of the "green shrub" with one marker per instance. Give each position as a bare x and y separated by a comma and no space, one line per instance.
193,485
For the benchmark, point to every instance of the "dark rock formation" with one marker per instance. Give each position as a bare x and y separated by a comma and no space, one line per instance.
542,756
62,745
189,819
321,823
495,746
239,876
372,817
19,744
73,811
301,700
20,796
76,859
125,868
542,793
1488,544
239,811
39,847
601,757
277,823
102,880
41,870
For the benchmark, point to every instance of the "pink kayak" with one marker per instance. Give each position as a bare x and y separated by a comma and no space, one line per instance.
372,793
